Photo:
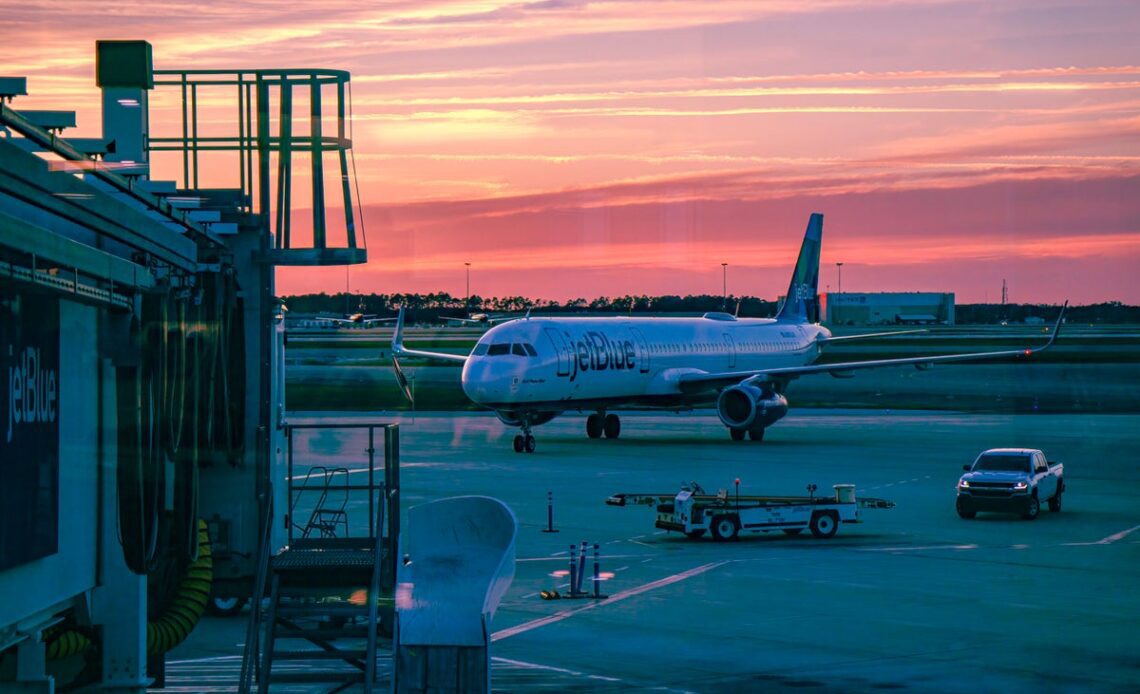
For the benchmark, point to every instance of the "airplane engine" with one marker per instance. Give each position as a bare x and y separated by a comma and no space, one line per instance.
747,407
514,419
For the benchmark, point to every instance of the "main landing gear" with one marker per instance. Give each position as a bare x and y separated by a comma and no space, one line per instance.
601,423
525,440
755,433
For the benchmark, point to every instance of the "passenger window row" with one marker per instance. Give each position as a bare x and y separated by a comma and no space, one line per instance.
661,348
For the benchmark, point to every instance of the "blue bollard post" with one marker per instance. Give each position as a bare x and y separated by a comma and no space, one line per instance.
573,568
582,567
597,573
550,513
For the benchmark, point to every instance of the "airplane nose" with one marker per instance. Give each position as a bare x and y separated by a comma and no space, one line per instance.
479,382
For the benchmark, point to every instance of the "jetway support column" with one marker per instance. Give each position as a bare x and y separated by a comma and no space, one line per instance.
31,668
119,602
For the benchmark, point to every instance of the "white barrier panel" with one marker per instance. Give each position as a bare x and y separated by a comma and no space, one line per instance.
458,561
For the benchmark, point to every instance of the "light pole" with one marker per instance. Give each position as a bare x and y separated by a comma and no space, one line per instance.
724,282
467,296
840,266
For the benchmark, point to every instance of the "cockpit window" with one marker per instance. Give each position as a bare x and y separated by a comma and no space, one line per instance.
480,349
530,349
499,349
517,348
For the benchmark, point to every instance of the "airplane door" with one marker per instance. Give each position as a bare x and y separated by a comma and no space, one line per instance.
731,351
642,348
562,349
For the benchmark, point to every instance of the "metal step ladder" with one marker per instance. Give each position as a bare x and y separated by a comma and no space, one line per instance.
329,516
323,606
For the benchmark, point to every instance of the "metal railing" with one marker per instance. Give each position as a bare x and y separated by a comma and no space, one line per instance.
381,486
268,128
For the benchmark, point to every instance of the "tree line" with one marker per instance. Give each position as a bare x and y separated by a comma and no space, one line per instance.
439,306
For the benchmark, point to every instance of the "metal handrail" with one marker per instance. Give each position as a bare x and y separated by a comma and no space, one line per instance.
250,666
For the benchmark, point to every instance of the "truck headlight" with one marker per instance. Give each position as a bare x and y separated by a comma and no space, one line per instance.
963,484
1020,486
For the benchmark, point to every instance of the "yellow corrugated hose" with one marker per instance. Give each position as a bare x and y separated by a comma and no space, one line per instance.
173,626
168,629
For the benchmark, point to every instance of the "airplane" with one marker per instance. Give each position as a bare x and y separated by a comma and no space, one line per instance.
530,370
482,318
359,318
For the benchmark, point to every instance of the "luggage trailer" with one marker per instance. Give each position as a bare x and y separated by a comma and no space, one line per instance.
693,512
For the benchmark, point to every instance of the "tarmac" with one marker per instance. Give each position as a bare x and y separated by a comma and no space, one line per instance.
914,598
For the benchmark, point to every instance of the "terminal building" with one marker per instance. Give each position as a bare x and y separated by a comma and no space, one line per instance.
148,470
887,308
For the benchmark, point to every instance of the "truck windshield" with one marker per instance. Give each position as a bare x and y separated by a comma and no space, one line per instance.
1003,463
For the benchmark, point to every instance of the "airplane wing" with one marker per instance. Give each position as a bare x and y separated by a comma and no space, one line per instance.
464,320
327,319
865,336
399,350
374,321
486,320
698,382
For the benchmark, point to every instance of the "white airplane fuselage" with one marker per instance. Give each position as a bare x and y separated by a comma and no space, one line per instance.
591,363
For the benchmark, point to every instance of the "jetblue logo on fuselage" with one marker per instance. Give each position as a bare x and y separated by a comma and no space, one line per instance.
596,351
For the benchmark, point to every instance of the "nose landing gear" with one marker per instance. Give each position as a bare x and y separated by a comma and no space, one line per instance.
525,441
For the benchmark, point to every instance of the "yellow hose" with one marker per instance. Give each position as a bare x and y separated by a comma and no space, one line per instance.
64,643
168,629
173,626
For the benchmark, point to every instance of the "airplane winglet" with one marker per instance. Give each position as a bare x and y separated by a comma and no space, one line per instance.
1057,325
398,334
1054,333
397,350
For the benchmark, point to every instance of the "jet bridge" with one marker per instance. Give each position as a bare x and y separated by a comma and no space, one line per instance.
140,349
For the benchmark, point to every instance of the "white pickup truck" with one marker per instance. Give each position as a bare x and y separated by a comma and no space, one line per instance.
1014,480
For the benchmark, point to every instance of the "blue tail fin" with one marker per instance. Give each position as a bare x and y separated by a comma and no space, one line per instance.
801,303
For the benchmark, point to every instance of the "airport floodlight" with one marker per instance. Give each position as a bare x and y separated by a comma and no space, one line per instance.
724,283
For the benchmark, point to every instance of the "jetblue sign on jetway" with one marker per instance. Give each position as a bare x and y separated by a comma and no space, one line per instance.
29,429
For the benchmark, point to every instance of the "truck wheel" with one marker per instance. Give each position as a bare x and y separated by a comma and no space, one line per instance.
1055,502
695,534
223,606
824,524
1032,508
964,511
724,528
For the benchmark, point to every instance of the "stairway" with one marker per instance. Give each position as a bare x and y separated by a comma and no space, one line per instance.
323,604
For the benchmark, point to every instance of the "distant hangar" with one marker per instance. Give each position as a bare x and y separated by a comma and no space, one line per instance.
887,308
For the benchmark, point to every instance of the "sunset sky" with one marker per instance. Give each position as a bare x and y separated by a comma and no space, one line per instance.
576,149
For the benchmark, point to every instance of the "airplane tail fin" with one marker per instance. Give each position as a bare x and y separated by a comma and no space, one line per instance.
801,303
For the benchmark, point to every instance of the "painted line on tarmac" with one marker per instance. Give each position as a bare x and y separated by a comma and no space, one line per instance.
563,558
914,549
616,597
552,668
1106,540
574,673
214,659
1120,535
